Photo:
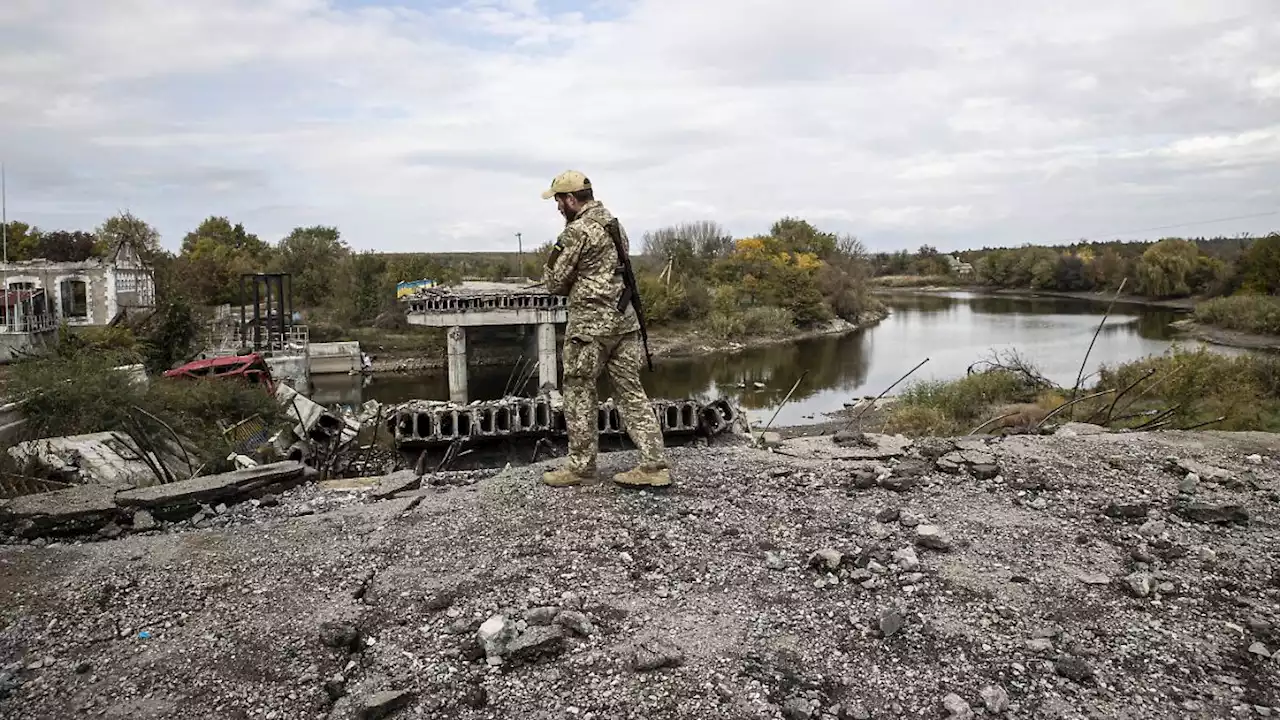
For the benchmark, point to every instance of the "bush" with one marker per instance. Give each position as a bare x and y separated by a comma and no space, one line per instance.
83,394
970,398
752,322
1248,313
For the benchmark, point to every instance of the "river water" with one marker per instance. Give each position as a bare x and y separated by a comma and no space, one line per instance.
952,329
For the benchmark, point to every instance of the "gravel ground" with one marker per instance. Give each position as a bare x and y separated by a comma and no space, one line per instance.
1086,577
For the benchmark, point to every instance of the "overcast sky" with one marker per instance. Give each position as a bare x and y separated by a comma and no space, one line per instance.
429,126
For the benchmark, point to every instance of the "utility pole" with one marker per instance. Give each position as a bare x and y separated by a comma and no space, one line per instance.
520,247
4,217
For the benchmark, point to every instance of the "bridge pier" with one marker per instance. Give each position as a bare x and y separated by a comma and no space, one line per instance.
548,370
457,355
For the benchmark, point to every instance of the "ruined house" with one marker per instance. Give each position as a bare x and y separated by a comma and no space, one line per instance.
86,293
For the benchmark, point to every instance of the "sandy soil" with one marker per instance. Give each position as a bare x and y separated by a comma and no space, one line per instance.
1080,581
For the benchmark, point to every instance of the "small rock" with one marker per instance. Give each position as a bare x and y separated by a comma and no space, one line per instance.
896,483
1188,484
933,537
888,515
957,708
267,501
656,653
985,471
536,642
908,519
797,709
1074,669
571,601
1254,459
439,599
1038,504
771,439
1139,584
906,558
83,667
1127,511
774,561
340,635
879,531
494,634
1260,650
1040,645
1094,579
891,621
335,687
143,521
995,699
576,621
1215,514
826,559
1206,555
1153,528
542,615
383,704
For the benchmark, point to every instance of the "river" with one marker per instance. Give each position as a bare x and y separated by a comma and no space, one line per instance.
952,329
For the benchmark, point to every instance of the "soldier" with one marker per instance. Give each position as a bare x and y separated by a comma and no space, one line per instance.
585,265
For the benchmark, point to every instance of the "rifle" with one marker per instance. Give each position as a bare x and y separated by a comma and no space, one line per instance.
630,290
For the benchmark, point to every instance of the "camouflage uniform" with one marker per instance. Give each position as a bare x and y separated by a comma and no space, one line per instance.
584,265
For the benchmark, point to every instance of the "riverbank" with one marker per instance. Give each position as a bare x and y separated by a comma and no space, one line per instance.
1227,338
1187,304
1102,576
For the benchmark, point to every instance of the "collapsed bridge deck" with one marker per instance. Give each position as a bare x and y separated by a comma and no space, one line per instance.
425,423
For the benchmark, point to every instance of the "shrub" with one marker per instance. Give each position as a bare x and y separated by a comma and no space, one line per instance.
752,322
1248,313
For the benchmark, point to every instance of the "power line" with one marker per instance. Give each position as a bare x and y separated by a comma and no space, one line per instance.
1164,227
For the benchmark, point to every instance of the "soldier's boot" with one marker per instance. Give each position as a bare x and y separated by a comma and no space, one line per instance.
644,476
567,477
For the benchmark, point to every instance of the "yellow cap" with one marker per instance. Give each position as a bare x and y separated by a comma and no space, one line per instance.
567,182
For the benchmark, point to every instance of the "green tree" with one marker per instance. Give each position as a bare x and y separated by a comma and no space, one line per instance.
1166,268
798,236
21,240
216,254
369,291
312,257
128,227
63,246
1260,266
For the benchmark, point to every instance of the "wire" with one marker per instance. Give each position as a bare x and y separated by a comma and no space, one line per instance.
1164,227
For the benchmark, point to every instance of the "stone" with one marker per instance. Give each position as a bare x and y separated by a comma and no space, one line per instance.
1207,472
1254,459
494,634
576,622
891,621
797,709
1214,514
541,615
571,601
957,708
1189,484
1153,528
1094,579
1040,645
1127,511
771,439
906,559
774,561
654,654
864,479
826,559
985,471
340,635
383,704
933,537
1139,584
143,521
536,642
896,483
78,509
1074,669
995,699
908,519
335,687
888,515
879,531
1260,650
439,599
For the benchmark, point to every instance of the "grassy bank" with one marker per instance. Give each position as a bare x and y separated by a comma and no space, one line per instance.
1182,390
1256,314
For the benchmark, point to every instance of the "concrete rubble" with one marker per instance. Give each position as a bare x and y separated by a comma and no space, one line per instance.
878,579
113,459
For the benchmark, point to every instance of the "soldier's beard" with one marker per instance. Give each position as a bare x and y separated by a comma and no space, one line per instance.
568,214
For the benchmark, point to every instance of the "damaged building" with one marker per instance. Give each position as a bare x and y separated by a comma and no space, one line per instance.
39,294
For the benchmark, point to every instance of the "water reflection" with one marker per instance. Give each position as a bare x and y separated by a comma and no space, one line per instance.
952,329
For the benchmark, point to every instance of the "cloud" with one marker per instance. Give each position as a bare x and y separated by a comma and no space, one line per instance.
434,125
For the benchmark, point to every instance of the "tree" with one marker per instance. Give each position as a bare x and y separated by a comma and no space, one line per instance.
21,240
128,227
63,246
312,257
369,290
798,236
1166,267
216,254
1260,266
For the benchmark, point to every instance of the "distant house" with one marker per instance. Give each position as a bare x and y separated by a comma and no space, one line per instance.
956,266
86,293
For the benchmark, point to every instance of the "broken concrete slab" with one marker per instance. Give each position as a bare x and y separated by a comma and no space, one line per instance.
75,509
213,489
1214,514
397,482
1080,429
110,458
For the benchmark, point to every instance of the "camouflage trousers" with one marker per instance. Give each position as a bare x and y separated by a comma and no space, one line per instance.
620,357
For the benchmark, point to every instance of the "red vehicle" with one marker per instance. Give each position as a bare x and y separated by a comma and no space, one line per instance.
252,367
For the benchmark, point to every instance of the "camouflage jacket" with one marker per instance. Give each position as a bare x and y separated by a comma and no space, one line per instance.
585,266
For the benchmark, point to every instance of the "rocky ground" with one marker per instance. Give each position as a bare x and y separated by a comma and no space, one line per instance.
1099,576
